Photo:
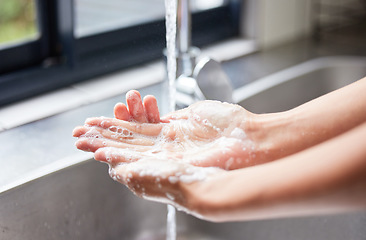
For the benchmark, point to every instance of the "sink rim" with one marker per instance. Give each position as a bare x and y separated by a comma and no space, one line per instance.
262,84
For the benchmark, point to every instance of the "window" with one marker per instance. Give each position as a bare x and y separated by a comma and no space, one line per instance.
68,41
18,22
19,34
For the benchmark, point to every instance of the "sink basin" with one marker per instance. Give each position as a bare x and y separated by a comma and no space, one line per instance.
301,83
82,202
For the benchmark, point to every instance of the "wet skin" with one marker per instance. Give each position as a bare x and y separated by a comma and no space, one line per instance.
199,135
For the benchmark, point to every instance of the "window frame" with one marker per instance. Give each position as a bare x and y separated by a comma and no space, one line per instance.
58,59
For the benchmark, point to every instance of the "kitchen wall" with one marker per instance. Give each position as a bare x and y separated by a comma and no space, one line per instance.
274,22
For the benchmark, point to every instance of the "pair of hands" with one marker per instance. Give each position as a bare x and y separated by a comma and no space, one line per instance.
196,158
158,158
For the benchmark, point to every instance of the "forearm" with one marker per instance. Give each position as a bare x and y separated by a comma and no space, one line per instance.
327,178
282,134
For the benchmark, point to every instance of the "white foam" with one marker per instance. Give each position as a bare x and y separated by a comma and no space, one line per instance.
173,179
92,133
238,133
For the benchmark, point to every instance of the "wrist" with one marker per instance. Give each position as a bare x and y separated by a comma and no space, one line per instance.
217,198
272,135
278,135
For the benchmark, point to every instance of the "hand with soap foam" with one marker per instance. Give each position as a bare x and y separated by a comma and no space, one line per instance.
157,159
182,159
206,134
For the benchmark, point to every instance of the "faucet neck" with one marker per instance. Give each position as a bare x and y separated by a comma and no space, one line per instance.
186,54
183,26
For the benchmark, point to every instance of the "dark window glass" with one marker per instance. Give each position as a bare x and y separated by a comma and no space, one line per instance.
68,41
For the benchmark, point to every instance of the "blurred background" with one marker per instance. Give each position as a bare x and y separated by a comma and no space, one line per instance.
59,43
17,21
18,18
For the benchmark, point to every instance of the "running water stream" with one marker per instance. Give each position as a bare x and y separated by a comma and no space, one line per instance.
171,29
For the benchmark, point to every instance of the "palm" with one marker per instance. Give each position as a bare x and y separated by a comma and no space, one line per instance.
207,137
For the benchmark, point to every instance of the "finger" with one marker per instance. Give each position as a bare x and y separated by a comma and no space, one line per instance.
117,134
151,109
121,112
79,131
115,155
93,144
145,128
89,144
135,106
87,132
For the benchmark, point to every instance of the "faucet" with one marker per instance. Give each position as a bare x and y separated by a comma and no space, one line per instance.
201,79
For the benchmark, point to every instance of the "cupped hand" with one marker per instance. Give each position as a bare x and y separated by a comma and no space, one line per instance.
208,133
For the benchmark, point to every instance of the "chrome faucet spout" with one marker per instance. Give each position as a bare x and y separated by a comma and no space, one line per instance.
186,54
196,80
184,26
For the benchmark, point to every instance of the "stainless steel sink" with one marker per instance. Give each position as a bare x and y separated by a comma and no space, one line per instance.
82,202
296,85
